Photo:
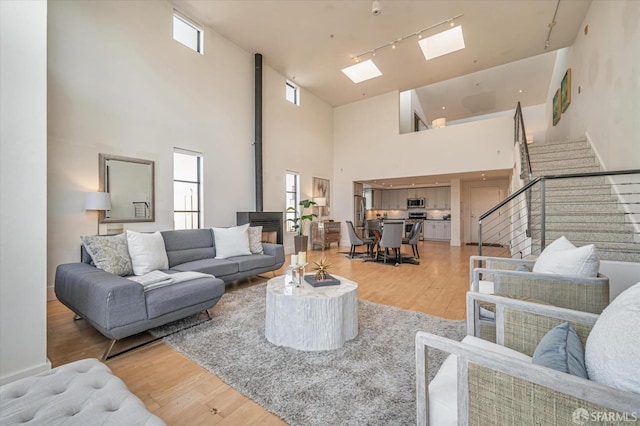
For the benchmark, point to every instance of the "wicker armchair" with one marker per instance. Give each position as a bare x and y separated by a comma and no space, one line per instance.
494,388
500,276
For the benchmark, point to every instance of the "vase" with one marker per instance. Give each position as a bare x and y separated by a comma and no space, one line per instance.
300,243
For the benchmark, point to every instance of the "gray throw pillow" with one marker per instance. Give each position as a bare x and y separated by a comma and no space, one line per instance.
109,253
561,350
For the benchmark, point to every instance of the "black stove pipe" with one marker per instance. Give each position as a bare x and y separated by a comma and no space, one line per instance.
258,132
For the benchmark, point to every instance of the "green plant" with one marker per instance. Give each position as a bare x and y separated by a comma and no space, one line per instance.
298,221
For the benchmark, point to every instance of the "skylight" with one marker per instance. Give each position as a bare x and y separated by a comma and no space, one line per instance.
442,43
363,71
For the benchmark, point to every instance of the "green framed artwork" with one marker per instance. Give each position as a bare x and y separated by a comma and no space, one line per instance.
565,90
556,107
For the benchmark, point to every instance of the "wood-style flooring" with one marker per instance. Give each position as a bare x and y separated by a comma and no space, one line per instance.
182,393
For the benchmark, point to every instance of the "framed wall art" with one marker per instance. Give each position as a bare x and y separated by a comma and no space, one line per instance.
556,107
321,189
565,90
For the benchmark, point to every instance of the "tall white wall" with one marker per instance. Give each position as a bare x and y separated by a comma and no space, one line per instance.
367,145
119,84
605,65
23,189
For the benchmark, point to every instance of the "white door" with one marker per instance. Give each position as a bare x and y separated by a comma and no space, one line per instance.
482,200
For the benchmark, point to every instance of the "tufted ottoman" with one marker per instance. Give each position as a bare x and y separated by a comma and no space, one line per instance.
80,393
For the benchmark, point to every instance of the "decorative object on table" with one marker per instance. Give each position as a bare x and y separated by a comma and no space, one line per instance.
295,271
328,280
301,241
99,201
321,190
556,107
565,90
322,266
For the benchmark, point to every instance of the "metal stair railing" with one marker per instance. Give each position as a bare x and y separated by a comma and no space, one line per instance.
505,229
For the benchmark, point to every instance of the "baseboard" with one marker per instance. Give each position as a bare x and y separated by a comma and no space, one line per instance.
51,294
26,373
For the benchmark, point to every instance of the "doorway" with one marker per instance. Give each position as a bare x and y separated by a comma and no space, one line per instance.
482,199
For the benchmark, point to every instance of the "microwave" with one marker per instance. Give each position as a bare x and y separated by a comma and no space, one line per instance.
415,203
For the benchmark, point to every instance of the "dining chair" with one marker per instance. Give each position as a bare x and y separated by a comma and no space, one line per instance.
392,239
371,226
413,238
357,241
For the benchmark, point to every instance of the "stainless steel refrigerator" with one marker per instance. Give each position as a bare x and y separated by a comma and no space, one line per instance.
359,214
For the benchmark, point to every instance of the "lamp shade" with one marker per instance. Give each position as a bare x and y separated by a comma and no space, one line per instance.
97,201
320,201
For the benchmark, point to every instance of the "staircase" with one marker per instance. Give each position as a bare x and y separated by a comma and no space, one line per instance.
586,210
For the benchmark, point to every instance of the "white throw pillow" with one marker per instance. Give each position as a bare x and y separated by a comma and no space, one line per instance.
612,352
147,252
232,241
255,239
563,258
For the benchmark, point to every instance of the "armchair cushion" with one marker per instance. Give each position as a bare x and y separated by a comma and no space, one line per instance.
611,352
563,258
561,350
443,389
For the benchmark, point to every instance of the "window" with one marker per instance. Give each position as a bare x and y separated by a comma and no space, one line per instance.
187,32
187,189
293,197
292,93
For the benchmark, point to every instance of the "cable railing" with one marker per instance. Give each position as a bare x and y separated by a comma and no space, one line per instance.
602,208
520,137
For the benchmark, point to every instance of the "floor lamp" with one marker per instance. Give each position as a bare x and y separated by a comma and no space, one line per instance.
321,202
99,201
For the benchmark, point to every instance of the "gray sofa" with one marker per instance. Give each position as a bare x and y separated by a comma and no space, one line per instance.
118,307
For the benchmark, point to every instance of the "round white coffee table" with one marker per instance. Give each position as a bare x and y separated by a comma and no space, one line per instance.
311,319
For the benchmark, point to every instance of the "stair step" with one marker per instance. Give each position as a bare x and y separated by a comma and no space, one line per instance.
570,217
558,145
578,207
585,227
556,169
576,182
562,163
624,252
593,236
578,198
554,155
579,190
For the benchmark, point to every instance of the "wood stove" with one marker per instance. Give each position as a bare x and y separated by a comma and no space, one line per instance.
270,221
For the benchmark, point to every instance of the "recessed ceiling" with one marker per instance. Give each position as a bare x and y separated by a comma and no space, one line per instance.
311,41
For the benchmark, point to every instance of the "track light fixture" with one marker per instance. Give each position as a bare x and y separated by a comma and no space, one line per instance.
392,44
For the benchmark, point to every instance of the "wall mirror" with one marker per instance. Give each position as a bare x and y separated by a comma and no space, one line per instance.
130,183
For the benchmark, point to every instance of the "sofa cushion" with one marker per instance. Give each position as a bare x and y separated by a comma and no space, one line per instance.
182,295
109,253
563,258
443,389
561,349
612,349
232,241
255,239
216,267
147,252
187,245
247,263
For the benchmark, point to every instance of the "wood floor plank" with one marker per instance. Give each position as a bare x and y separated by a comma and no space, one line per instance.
183,393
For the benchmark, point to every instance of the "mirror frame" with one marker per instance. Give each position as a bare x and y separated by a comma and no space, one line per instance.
152,202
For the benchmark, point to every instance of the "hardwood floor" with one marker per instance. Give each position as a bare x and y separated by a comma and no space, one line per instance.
182,393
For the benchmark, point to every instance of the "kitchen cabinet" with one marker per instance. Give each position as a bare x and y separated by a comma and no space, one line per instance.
417,193
438,198
394,199
437,230
376,199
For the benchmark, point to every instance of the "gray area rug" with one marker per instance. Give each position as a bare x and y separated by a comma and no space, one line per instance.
369,381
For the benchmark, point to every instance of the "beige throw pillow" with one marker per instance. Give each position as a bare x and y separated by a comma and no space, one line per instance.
109,253
255,239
